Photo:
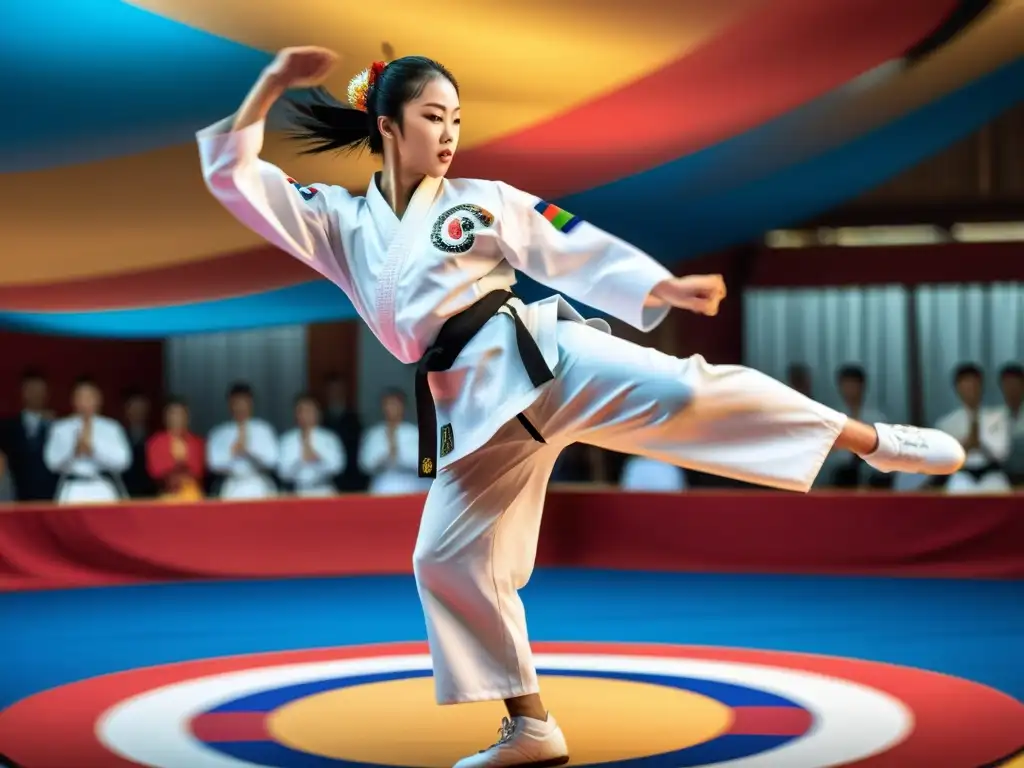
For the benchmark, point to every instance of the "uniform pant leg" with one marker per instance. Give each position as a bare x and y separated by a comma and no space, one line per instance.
476,548
726,420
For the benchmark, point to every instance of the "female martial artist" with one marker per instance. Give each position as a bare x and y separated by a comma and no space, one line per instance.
502,387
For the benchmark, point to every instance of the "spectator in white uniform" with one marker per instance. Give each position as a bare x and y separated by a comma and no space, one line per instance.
312,456
87,451
640,474
244,451
984,433
389,451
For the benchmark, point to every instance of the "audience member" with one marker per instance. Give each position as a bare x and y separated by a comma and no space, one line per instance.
243,451
175,456
87,450
22,439
389,453
1011,382
843,469
984,433
640,474
137,481
343,420
312,456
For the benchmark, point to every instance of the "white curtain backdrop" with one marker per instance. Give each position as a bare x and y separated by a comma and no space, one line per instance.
981,324
272,361
827,328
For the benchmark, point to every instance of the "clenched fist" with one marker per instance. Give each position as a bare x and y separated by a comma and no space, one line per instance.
303,67
697,293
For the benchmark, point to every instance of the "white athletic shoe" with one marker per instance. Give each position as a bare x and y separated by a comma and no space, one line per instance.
524,743
916,450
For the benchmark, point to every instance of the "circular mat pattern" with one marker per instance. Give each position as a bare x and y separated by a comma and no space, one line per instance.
639,705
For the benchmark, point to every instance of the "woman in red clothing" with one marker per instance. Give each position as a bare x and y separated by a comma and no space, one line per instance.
174,457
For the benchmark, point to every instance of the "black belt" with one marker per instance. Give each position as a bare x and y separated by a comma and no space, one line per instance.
453,337
979,472
89,478
110,477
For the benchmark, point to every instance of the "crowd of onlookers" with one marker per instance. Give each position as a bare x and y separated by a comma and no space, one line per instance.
90,456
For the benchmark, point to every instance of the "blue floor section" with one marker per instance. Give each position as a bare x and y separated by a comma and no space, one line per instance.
970,629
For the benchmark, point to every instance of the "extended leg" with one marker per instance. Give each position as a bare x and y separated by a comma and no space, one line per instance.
727,420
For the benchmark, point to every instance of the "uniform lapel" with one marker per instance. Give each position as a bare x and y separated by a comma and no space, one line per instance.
395,231
400,240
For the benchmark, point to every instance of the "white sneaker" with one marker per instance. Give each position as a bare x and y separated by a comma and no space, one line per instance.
915,450
524,743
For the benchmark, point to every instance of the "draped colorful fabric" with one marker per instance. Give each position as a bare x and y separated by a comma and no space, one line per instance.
684,127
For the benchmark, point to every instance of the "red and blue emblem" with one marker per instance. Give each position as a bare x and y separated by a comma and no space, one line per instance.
308,193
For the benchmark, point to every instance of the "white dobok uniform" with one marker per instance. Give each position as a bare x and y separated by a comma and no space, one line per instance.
88,479
392,477
642,475
983,470
311,477
459,240
246,476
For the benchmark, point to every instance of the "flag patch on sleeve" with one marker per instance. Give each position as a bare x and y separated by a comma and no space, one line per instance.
561,220
308,193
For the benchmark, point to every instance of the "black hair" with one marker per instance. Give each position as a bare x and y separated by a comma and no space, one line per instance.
85,381
1012,369
394,392
798,370
965,370
326,124
852,372
306,397
239,388
32,374
132,393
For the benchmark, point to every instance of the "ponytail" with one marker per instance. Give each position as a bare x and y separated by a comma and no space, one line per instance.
324,124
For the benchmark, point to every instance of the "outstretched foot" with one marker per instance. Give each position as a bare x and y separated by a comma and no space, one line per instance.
916,450
523,743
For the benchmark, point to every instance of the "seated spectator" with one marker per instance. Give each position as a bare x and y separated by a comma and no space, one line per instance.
1011,382
23,437
243,451
342,419
984,433
7,492
137,480
174,457
312,456
640,474
87,451
843,469
389,452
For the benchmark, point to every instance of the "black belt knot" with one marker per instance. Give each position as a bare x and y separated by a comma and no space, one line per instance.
453,337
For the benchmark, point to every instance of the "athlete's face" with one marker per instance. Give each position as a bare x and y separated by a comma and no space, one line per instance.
429,135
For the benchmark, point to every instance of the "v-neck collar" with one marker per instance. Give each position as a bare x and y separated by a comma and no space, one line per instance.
384,215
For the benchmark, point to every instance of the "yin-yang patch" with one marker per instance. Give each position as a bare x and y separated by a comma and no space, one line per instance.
454,231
